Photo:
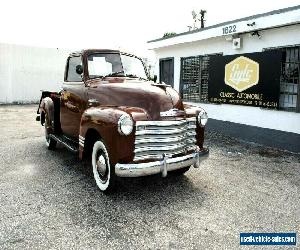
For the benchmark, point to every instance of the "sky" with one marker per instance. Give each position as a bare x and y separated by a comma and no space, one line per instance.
126,24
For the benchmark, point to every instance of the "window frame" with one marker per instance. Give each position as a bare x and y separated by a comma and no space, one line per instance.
67,69
282,48
119,53
199,77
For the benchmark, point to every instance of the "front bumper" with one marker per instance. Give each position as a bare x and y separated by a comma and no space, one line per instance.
163,166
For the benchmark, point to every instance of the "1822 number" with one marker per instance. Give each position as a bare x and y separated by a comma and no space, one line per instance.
229,29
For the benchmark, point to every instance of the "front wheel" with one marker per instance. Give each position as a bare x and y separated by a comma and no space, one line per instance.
104,173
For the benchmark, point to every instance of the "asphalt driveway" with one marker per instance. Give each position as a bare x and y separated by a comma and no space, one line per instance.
48,199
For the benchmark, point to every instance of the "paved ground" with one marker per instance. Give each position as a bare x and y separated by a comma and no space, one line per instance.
49,200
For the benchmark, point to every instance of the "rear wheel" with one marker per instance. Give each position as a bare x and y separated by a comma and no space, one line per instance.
50,142
103,171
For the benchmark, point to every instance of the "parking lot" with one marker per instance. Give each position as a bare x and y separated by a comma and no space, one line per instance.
48,199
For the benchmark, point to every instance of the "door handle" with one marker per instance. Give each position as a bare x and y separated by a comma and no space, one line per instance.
93,102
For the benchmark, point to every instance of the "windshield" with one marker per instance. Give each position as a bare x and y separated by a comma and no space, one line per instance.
113,64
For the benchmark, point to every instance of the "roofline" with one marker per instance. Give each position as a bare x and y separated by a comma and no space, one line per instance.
273,12
92,51
84,51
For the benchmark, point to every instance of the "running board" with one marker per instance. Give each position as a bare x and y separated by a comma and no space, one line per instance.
70,145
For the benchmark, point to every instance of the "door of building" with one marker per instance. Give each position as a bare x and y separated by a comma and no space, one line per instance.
166,70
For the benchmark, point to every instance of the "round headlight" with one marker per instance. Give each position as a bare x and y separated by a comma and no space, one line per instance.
202,118
125,124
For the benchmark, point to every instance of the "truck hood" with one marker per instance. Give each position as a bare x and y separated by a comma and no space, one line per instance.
151,97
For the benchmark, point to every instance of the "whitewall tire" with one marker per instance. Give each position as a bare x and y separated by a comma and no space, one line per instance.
50,143
103,171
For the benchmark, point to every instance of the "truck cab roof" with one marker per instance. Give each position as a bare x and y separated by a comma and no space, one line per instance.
90,51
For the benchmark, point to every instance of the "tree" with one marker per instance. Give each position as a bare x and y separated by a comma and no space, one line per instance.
202,14
169,34
196,19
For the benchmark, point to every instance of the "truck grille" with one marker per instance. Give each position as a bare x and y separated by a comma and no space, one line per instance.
153,138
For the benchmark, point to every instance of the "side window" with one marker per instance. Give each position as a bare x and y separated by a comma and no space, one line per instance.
72,76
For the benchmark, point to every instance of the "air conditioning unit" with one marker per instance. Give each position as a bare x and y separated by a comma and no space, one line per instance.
236,43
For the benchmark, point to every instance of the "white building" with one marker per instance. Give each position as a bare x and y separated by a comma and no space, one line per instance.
24,71
186,59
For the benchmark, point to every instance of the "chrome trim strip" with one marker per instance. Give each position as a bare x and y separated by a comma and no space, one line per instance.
68,146
162,147
172,113
154,140
165,123
169,131
81,141
163,166
157,154
164,170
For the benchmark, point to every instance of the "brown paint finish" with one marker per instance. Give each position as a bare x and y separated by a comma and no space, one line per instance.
97,104
133,93
104,120
73,103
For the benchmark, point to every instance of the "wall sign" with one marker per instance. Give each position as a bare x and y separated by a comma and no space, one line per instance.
248,79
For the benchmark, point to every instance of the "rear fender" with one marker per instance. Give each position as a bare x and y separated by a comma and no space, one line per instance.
47,108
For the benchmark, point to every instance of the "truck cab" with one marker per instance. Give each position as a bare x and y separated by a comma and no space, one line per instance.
109,109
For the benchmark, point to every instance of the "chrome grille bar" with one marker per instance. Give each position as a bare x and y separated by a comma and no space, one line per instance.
155,138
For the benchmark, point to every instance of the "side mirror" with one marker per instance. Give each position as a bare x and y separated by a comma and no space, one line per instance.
79,69
154,78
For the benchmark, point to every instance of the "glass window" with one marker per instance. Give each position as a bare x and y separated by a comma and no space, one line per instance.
133,67
114,64
72,74
194,78
103,64
290,78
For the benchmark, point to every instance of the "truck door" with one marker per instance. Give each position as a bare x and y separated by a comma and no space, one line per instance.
73,98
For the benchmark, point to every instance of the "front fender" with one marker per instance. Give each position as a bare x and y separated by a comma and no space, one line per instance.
104,120
190,111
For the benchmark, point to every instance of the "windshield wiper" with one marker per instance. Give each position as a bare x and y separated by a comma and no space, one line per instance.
135,76
96,77
117,73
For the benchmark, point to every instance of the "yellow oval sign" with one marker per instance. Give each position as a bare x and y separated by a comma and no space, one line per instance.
241,73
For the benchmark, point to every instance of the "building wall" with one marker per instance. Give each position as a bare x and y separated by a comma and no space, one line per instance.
276,37
24,71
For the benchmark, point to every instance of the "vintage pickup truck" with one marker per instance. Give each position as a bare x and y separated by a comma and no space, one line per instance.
109,110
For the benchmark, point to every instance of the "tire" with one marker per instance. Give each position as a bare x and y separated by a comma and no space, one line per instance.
50,143
179,172
103,171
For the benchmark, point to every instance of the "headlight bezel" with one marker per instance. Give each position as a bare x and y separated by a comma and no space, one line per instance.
123,128
202,118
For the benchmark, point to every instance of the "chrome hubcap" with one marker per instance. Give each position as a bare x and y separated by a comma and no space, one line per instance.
101,165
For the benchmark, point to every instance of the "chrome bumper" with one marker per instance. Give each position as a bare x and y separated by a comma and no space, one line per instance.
163,166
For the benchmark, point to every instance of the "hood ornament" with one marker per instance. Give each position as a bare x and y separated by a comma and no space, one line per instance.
172,112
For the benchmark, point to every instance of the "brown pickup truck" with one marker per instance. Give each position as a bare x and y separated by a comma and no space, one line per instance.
130,126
